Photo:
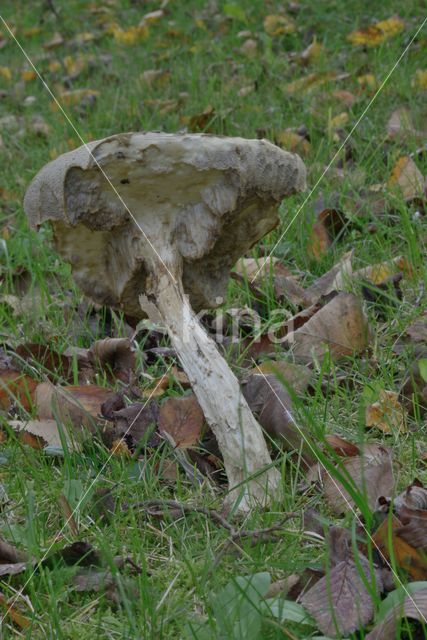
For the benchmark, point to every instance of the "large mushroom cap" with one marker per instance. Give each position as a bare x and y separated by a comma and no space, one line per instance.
201,200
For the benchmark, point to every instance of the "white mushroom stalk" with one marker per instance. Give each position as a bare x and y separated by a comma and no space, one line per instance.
165,217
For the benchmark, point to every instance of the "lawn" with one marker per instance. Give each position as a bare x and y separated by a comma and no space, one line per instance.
354,108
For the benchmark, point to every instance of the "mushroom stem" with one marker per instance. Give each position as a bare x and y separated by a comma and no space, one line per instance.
252,478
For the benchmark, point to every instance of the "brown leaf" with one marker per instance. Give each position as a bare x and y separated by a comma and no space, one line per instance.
412,606
408,178
417,331
115,354
333,280
296,375
45,357
392,546
11,610
342,447
278,25
340,327
16,388
340,602
400,124
40,433
107,583
329,224
414,497
183,419
137,424
386,414
79,406
270,403
372,475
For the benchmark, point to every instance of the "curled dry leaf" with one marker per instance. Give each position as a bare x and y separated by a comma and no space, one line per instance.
271,404
340,602
333,280
340,328
329,225
386,414
342,447
137,425
183,419
377,33
392,546
413,605
115,354
371,474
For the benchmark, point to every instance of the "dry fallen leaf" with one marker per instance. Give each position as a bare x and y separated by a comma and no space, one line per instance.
278,25
312,52
183,419
342,447
270,403
407,177
340,328
340,601
413,605
16,388
420,79
330,223
377,273
43,433
333,280
391,545
296,375
377,33
292,141
372,475
386,414
400,124
137,423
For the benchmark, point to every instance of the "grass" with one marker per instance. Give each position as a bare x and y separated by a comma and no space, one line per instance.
198,47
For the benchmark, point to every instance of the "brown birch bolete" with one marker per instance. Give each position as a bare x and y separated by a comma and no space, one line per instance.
183,209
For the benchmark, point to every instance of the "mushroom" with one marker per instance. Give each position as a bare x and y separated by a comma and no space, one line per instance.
154,222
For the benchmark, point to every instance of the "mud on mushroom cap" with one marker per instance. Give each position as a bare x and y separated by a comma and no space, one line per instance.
202,200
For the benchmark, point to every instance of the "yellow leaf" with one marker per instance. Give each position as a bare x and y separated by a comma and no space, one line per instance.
54,66
312,53
377,273
277,25
420,79
32,31
367,81
339,121
129,36
377,33
386,414
28,75
407,177
307,83
74,66
292,141
73,98
6,73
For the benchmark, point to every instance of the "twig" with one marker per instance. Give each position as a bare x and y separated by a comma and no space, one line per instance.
160,507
